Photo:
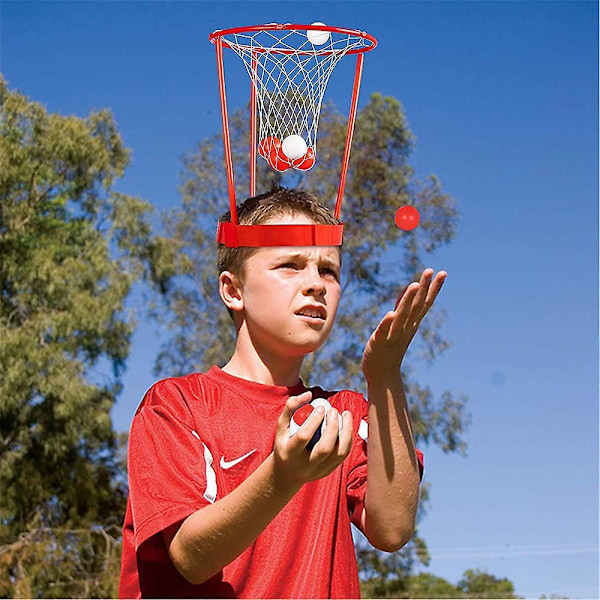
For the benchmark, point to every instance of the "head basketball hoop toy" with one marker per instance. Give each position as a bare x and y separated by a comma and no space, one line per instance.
289,67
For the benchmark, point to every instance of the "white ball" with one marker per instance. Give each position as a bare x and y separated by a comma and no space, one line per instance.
326,405
294,147
321,402
315,403
317,38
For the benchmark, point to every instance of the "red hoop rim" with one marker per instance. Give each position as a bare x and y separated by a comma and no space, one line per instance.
219,33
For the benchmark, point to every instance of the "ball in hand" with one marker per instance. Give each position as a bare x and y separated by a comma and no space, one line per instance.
300,415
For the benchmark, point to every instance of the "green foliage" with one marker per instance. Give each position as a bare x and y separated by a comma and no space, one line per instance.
62,563
71,249
394,583
426,585
384,575
478,584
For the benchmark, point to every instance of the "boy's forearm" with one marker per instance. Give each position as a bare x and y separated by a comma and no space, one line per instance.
215,535
392,495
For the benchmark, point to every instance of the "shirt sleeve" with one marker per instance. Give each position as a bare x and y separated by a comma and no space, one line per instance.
356,485
169,467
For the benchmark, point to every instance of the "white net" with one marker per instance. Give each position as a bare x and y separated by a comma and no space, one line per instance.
290,70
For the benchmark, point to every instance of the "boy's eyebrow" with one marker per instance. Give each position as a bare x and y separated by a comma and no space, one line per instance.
296,255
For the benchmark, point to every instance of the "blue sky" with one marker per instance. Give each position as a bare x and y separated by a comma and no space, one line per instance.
503,101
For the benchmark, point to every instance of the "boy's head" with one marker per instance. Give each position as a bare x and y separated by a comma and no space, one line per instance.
254,281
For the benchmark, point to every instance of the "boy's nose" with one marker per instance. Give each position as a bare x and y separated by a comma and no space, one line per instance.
314,282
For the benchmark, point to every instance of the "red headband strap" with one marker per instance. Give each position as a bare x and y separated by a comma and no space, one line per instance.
233,235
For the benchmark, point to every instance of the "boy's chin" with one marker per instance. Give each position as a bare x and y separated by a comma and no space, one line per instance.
306,349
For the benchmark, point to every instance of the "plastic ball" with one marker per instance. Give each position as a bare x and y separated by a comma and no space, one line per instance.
294,147
306,162
300,415
317,38
407,218
278,160
265,146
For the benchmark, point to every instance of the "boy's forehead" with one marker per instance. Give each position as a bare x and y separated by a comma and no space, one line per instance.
324,254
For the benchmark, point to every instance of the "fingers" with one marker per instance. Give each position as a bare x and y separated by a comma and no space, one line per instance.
292,403
308,428
327,454
403,308
334,445
335,453
434,290
347,435
401,295
416,312
329,439
415,301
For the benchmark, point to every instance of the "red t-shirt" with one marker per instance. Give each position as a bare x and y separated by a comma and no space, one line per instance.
193,440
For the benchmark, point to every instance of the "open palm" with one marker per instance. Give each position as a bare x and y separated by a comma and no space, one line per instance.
387,345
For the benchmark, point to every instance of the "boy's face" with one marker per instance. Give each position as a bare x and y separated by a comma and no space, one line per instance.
279,283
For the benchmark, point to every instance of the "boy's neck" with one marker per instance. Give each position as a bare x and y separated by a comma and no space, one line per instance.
283,373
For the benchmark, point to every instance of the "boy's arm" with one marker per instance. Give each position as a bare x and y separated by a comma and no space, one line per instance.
392,495
215,535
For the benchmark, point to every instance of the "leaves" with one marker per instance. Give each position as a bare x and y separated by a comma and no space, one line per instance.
72,249
64,563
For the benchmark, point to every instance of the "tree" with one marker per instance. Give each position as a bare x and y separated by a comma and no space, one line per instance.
426,585
474,584
478,584
380,181
72,248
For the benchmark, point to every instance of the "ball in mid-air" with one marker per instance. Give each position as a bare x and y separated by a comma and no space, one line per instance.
294,147
317,38
301,414
407,218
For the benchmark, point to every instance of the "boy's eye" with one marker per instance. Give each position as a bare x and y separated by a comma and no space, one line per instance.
294,266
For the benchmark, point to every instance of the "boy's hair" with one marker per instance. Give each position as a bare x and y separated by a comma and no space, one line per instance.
260,209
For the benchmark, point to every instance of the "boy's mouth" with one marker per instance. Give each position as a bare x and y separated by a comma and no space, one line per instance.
315,320
313,312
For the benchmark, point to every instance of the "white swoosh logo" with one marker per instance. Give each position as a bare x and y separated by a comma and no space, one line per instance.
228,465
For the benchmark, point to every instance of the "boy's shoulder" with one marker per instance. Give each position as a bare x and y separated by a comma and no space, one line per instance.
171,391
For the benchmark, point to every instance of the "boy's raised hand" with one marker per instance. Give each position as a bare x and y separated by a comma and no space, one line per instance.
293,461
387,345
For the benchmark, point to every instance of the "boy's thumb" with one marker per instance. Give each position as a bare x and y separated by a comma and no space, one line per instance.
292,403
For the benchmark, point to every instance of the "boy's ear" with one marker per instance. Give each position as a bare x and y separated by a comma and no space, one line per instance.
230,290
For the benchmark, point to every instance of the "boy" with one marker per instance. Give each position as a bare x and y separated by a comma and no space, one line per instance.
223,502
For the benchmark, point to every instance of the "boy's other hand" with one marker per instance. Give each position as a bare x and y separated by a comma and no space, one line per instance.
387,345
294,463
